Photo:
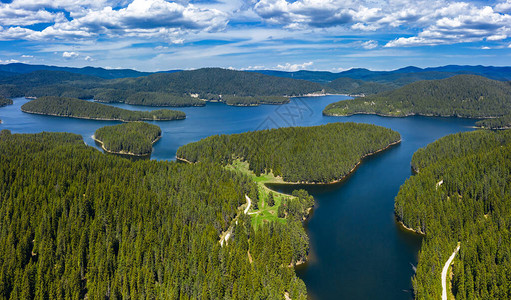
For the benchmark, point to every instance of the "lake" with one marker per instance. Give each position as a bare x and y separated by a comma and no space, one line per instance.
358,251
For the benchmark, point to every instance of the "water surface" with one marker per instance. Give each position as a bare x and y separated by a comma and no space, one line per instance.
357,249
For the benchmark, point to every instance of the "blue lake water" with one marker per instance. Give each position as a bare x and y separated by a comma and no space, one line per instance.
357,249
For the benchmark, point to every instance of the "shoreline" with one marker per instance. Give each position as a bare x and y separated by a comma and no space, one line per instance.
325,113
281,181
125,153
403,226
97,119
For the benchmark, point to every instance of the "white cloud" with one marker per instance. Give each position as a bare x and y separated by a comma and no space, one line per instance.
27,56
90,19
71,54
438,21
88,58
257,67
504,7
370,44
471,24
9,61
496,37
10,15
294,67
485,48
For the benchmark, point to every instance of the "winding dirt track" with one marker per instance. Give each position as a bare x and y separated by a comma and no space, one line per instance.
444,272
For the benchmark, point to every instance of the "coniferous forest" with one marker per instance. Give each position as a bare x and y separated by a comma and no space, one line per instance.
134,138
318,154
5,101
462,194
503,122
468,96
75,108
76,223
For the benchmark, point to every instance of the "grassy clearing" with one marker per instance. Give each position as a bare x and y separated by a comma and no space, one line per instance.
264,213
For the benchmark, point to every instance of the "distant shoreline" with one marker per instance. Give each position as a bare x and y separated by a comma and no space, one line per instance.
325,113
97,119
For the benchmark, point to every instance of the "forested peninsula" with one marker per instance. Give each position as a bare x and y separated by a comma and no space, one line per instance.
503,122
467,96
134,138
5,101
77,223
319,154
462,193
76,108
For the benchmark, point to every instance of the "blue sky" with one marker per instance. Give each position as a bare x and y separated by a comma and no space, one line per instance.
289,35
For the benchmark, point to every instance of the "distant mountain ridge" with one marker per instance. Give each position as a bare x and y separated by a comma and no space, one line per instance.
402,74
496,73
20,68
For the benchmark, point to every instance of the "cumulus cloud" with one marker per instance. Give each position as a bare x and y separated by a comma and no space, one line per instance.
88,58
438,21
70,54
27,56
294,67
12,15
90,19
468,25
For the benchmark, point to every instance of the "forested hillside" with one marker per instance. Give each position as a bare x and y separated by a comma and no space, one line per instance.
462,96
462,193
319,154
75,108
5,101
183,88
134,138
345,85
76,223
232,87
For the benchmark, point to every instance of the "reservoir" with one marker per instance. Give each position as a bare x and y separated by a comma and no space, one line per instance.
358,251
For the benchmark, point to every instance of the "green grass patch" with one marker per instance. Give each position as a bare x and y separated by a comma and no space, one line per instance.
264,213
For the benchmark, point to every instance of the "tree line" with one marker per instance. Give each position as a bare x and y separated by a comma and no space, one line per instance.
318,154
462,194
76,223
75,108
135,138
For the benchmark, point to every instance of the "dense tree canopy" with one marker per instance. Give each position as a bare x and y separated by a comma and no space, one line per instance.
462,193
503,122
299,154
75,108
346,85
135,138
5,101
462,96
75,223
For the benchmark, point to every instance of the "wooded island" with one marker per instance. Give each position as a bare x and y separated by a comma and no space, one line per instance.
76,108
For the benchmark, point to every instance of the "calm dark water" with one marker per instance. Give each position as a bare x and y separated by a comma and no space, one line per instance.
357,249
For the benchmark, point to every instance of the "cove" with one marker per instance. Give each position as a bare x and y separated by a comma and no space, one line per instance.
357,249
